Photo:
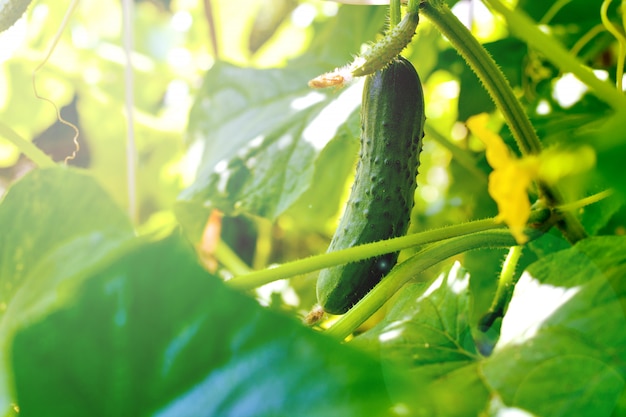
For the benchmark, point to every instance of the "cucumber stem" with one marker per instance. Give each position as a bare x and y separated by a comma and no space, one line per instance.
265,276
506,283
489,74
394,13
412,267
502,94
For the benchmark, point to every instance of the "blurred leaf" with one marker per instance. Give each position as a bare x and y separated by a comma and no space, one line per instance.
566,355
571,11
151,333
268,17
42,211
610,143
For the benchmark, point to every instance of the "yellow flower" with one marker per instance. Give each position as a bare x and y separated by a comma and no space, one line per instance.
511,176
510,179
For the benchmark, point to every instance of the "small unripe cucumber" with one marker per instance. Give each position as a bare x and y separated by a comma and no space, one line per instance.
380,203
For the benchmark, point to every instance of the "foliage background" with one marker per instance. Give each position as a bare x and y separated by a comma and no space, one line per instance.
111,312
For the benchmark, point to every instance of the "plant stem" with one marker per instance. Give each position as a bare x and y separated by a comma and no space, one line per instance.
489,74
412,267
258,278
227,257
617,33
129,90
26,147
506,283
502,94
524,28
394,13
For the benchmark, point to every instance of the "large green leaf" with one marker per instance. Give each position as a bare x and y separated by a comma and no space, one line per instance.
259,131
44,210
562,349
151,333
427,329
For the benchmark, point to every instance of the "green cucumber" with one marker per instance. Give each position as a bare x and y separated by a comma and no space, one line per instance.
383,51
377,57
381,200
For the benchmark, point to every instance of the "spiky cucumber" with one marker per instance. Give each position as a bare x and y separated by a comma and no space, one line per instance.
381,199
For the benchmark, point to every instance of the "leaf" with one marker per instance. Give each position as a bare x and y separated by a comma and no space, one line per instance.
427,330
562,348
260,131
268,18
610,143
334,166
44,210
151,333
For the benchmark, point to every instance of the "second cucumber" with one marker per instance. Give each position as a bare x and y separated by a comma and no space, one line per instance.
381,200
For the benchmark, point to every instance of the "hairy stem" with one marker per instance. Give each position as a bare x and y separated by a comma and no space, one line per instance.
506,283
489,74
502,94
394,13
357,253
411,268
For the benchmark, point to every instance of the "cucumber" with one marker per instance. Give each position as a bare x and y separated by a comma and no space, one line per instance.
383,51
381,199
377,57
11,11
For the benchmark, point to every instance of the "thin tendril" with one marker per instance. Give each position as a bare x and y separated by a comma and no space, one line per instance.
615,31
55,41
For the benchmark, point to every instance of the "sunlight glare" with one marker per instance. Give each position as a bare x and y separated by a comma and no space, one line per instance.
282,287
459,131
12,39
330,8
568,90
543,108
308,100
449,89
476,16
303,15
324,126
390,334
182,21
522,323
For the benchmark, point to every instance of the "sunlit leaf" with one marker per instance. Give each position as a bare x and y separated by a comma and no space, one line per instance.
562,346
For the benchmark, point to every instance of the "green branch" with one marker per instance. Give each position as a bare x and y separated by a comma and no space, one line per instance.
394,13
26,147
502,94
357,253
489,74
506,284
411,268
